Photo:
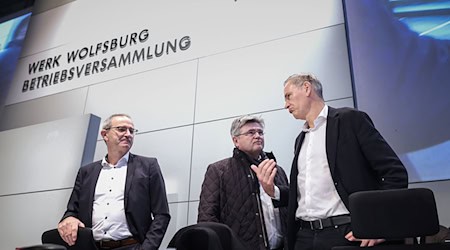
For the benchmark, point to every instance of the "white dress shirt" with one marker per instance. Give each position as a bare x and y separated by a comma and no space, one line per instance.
318,197
108,214
272,218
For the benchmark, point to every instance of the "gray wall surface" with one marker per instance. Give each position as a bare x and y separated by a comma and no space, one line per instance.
39,165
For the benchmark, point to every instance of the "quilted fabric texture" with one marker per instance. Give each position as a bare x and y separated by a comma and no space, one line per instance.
229,195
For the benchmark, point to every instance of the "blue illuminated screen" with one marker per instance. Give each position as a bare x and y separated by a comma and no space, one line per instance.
12,35
400,57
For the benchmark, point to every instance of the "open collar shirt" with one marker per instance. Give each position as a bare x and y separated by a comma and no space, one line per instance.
318,197
108,215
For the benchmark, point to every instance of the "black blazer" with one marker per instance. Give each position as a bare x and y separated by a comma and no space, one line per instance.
359,159
145,196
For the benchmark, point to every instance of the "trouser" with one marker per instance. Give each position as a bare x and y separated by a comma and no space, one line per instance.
323,239
129,247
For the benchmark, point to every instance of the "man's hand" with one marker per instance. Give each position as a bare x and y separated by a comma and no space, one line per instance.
68,229
266,172
365,242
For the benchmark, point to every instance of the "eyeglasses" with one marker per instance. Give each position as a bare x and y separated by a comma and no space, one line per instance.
252,133
123,129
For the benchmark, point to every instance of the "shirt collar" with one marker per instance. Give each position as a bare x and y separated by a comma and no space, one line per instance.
319,121
122,162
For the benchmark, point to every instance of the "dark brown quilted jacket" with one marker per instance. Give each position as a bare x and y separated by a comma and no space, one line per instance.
229,195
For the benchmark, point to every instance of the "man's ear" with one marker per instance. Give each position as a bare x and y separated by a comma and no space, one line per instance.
308,87
235,140
103,133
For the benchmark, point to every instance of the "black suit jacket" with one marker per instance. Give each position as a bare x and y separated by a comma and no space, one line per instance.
145,196
359,159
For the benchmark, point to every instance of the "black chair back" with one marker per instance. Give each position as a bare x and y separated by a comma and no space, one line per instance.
206,236
394,215
43,247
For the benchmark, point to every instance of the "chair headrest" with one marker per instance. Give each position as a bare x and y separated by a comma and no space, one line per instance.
205,236
393,214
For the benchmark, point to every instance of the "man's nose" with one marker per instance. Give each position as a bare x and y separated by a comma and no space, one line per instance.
128,133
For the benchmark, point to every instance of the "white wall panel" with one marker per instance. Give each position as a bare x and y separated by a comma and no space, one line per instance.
174,157
101,151
193,212
225,23
172,148
155,99
50,154
54,107
44,5
25,217
40,163
345,102
250,80
212,142
178,212
281,131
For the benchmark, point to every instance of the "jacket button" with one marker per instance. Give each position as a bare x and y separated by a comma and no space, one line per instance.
335,183
257,214
260,236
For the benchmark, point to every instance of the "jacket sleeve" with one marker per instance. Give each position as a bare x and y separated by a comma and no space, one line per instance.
159,209
73,204
281,181
382,158
209,206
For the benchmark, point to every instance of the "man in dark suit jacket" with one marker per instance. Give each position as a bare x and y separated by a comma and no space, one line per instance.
122,197
338,152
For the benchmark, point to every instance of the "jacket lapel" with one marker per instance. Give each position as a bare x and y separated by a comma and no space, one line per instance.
332,137
131,166
92,183
294,172
298,145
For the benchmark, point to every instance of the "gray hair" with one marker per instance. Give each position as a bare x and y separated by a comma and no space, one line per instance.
107,123
238,123
299,79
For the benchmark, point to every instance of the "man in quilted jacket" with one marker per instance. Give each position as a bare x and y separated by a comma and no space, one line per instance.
243,191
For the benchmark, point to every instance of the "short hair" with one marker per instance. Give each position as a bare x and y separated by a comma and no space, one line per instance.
299,79
238,123
107,122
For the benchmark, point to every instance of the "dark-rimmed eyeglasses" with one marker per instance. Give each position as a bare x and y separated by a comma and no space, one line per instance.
252,133
123,129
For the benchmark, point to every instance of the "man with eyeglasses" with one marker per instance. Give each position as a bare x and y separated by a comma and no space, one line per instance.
231,193
122,197
338,152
